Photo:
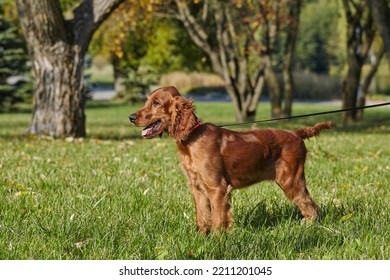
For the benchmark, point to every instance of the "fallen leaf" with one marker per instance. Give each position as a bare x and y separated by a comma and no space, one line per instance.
347,217
21,193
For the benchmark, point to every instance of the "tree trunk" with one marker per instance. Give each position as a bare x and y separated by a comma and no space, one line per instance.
350,90
269,34
381,14
288,89
57,48
241,114
366,83
245,104
273,89
360,35
294,7
58,108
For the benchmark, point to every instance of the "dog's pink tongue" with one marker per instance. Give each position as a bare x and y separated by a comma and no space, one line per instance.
146,131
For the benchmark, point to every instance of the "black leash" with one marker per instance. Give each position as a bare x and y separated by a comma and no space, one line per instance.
308,115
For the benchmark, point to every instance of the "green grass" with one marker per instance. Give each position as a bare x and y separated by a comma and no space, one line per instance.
116,196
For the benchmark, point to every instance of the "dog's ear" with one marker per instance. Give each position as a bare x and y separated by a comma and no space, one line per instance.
183,118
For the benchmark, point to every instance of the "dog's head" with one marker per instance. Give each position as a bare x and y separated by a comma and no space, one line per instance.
166,110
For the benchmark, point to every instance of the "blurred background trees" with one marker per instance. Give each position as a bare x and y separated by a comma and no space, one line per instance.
141,47
15,82
380,11
282,50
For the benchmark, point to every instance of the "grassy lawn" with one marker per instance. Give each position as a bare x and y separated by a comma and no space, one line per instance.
114,195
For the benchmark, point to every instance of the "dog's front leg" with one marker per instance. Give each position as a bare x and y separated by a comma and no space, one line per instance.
202,207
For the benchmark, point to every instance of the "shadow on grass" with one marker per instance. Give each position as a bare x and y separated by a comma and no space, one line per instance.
381,126
259,217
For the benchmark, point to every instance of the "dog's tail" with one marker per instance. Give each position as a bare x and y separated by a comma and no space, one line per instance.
315,130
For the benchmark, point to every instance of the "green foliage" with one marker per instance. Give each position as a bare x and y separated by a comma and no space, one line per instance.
318,28
14,81
163,48
116,196
166,48
142,47
171,49
68,5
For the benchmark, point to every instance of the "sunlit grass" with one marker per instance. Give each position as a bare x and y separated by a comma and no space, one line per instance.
116,196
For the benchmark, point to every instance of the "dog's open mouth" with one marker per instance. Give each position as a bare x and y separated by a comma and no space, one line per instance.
151,129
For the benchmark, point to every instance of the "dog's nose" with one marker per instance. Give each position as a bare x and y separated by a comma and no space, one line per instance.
132,118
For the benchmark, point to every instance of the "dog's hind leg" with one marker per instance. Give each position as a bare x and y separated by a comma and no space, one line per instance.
292,181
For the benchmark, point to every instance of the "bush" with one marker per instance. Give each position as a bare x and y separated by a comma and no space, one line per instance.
317,87
382,85
311,86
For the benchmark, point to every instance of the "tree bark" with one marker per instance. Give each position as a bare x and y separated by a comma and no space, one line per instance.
360,35
380,11
350,90
57,48
58,108
361,100
273,88
294,7
270,31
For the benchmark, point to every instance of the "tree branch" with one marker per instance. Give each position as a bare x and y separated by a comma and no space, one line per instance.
374,68
205,10
197,32
219,21
88,16
369,31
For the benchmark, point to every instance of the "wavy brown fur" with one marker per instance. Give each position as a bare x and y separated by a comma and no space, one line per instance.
183,118
315,130
217,160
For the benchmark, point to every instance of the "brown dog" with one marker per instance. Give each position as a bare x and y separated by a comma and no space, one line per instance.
217,160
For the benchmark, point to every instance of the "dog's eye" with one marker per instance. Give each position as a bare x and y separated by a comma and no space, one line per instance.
156,103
